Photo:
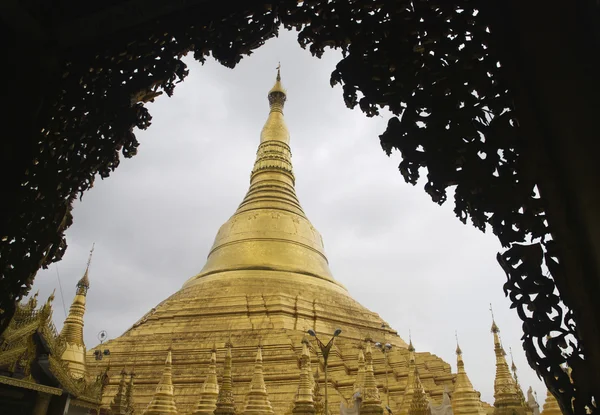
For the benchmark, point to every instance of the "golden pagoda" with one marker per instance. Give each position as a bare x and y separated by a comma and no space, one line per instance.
210,389
225,404
266,277
371,402
409,390
551,406
72,331
465,399
520,394
506,398
162,402
304,403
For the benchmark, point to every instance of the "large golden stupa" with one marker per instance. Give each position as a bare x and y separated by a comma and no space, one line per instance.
233,339
266,280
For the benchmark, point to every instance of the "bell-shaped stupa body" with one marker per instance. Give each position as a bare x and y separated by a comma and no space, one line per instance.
266,277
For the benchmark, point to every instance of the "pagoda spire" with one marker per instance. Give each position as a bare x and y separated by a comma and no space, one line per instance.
119,404
506,398
465,399
419,404
72,331
210,388
257,400
304,403
359,383
551,406
520,394
162,402
371,401
129,394
270,218
225,403
409,390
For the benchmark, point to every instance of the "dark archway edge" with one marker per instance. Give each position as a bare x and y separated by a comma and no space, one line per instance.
66,78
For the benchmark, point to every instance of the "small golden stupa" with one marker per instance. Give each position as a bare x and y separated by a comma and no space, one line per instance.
266,277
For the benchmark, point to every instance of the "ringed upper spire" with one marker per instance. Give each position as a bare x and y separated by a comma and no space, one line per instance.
269,232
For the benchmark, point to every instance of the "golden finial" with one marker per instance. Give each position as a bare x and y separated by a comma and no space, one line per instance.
458,350
495,328
84,283
277,95
513,367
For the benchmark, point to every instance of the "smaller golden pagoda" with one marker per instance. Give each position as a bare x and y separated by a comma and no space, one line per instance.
304,403
162,402
371,401
225,404
465,399
257,399
129,404
419,404
359,383
551,406
410,380
119,403
72,331
520,394
506,398
210,388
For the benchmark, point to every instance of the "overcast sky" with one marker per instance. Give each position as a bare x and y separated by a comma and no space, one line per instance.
398,253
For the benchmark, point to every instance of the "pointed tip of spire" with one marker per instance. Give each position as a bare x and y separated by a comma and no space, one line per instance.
458,349
84,283
169,360
277,94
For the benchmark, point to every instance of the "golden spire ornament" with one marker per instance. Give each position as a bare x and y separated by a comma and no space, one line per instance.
359,383
129,404
304,403
162,402
72,331
119,403
257,400
520,394
551,406
210,388
506,399
225,404
465,400
409,390
371,401
419,404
